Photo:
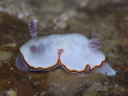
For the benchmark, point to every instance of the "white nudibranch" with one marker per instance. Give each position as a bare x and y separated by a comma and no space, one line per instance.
73,52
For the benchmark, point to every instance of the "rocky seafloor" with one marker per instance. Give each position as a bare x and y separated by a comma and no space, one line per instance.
106,20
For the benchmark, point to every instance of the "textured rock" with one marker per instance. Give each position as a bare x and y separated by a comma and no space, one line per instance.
11,93
62,83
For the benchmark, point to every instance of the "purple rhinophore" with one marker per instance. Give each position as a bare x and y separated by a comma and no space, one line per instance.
32,28
95,43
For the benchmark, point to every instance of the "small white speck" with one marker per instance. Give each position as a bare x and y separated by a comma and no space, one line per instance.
9,82
63,88
11,93
11,68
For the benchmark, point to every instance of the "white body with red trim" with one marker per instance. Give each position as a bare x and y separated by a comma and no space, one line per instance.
72,51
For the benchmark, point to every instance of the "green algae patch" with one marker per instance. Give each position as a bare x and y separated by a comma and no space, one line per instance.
5,55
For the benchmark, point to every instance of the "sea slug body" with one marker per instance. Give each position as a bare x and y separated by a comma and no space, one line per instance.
73,52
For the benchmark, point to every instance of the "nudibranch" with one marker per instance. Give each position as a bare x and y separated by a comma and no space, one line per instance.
73,52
